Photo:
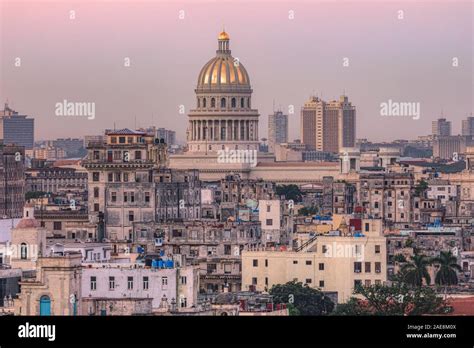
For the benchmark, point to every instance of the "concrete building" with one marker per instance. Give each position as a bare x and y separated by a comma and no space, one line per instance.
16,129
12,181
55,180
468,127
270,217
328,126
120,180
441,127
117,281
55,290
277,129
334,263
450,147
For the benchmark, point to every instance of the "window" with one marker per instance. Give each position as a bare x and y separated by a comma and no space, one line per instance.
367,227
184,280
321,283
377,249
138,155
145,283
121,140
211,268
147,197
213,102
269,207
227,249
254,281
357,267
113,140
111,283
227,268
95,176
266,280
325,249
125,177
223,103
96,192
378,282
117,177
131,217
114,196
295,262
183,302
164,282
255,263
96,206
93,283
23,251
204,102
125,197
357,282
308,281
309,262
321,266
132,196
130,283
241,102
367,282
269,222
378,267
367,267
57,225
233,102
266,262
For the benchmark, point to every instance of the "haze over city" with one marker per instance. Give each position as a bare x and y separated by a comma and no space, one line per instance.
289,56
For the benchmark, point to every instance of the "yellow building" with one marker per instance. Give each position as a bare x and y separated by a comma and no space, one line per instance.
331,262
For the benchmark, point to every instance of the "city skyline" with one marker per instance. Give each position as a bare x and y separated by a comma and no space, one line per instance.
163,68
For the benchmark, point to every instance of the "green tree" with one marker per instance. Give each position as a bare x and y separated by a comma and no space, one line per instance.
448,267
302,300
308,211
421,188
395,299
290,192
34,194
417,270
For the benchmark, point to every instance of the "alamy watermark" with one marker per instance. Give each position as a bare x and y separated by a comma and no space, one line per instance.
404,109
80,109
237,156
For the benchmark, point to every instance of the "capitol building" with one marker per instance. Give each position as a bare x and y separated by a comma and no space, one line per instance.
224,121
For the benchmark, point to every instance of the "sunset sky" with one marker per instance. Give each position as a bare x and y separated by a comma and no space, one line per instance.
82,59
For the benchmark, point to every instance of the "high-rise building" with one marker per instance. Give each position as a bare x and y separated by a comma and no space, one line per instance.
277,129
12,181
16,129
328,126
468,127
169,136
441,127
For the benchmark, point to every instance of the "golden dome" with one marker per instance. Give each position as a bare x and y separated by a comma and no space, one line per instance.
223,70
224,36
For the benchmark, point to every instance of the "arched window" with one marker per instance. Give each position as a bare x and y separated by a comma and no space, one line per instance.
248,103
213,102
23,251
223,103
241,102
204,102
199,102
233,102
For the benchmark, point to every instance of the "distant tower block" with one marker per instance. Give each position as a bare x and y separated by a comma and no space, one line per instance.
388,156
349,158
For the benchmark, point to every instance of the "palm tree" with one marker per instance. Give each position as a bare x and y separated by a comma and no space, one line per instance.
448,267
416,270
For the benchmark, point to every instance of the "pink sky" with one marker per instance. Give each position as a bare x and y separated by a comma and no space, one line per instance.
407,60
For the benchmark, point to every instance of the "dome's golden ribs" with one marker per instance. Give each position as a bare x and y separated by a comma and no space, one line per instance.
224,36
